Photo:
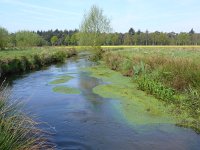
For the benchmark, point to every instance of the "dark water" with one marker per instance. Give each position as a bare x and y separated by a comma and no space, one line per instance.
88,121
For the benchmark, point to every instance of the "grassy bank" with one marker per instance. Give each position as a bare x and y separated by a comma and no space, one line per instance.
20,60
17,130
171,74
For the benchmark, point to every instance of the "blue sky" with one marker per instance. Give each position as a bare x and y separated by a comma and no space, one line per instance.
161,15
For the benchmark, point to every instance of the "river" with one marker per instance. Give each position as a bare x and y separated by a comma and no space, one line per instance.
88,121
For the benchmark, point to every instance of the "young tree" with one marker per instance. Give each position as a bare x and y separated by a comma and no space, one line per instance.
3,38
94,23
54,39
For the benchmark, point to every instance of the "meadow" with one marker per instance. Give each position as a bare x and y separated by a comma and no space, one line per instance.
171,74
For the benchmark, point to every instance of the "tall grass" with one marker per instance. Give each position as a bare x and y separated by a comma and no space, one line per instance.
173,79
17,130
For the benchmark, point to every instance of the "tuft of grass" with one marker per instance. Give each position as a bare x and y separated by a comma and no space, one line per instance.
17,130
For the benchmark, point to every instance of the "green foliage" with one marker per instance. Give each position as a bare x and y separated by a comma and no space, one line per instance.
3,38
23,60
67,40
94,23
28,39
54,39
73,39
156,88
97,53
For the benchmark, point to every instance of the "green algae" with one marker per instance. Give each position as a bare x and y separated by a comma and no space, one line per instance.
107,75
66,90
61,79
135,106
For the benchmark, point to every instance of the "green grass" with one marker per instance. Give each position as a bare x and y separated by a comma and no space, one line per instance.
171,74
17,130
13,61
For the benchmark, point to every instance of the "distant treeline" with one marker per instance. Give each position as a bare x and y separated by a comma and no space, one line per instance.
71,37
132,37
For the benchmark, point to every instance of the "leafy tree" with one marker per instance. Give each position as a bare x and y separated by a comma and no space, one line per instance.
3,38
94,23
183,39
73,39
54,39
27,39
127,39
67,40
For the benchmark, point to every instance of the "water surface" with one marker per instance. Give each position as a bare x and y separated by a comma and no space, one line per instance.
87,121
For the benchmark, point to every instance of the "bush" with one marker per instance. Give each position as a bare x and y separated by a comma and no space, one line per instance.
3,38
28,39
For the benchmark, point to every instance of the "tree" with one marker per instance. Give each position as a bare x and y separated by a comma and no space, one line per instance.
93,25
3,38
54,39
73,39
27,39
67,40
191,31
131,31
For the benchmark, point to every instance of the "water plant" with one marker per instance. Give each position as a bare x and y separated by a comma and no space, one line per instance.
66,90
61,79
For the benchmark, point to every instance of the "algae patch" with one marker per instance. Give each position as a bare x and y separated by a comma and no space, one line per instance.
66,90
135,105
61,79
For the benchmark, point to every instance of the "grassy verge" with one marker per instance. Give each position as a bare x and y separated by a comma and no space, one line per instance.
13,61
17,131
171,74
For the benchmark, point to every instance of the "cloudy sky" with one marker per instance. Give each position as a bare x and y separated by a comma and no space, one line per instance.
161,15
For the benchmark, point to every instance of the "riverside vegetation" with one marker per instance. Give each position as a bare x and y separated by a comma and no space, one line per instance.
170,74
17,130
21,60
